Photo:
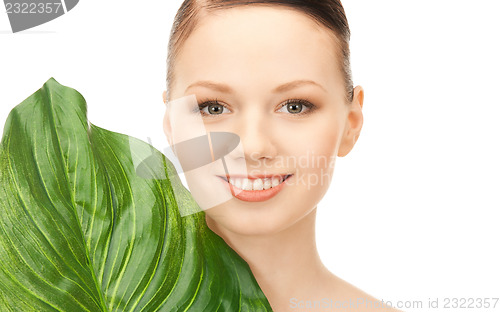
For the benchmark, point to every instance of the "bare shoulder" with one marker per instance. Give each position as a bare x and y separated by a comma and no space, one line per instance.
362,301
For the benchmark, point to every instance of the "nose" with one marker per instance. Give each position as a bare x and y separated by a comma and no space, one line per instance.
257,137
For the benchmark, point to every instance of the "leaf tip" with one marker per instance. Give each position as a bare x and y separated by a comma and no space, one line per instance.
52,81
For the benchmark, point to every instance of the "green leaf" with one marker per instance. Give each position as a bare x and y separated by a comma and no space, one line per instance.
81,231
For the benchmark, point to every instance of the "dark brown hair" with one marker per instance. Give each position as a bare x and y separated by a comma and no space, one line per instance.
328,13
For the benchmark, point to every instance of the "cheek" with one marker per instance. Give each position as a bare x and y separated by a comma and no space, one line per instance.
319,138
315,153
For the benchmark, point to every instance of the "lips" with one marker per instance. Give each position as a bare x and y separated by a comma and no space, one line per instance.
257,176
255,187
255,182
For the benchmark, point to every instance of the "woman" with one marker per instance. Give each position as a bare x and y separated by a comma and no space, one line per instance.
277,74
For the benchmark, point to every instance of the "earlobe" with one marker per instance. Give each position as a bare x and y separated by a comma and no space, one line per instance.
165,97
354,123
167,128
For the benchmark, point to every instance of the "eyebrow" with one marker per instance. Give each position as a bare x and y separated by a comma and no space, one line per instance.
224,88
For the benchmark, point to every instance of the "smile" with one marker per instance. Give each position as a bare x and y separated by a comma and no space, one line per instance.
255,189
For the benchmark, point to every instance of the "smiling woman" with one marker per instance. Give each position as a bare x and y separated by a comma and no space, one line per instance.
277,74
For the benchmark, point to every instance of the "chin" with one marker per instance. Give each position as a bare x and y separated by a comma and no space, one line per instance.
263,218
253,221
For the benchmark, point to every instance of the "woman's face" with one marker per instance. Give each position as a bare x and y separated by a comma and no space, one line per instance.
275,75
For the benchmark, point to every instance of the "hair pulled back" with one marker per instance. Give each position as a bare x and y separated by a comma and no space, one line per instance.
329,13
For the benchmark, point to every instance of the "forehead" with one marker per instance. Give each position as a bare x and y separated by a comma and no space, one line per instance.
256,47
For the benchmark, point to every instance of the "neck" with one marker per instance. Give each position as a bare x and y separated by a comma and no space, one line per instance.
285,263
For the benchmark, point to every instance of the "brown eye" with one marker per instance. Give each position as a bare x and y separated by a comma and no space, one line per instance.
215,109
294,108
297,107
212,108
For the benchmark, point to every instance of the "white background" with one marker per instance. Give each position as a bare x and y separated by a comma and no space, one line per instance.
413,211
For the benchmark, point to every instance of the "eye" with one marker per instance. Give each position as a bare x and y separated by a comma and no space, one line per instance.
297,107
212,108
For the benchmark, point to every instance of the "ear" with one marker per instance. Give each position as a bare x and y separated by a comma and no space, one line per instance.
165,97
354,123
167,127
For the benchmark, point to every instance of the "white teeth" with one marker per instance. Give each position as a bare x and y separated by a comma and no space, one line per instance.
246,185
237,183
255,184
267,184
258,185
